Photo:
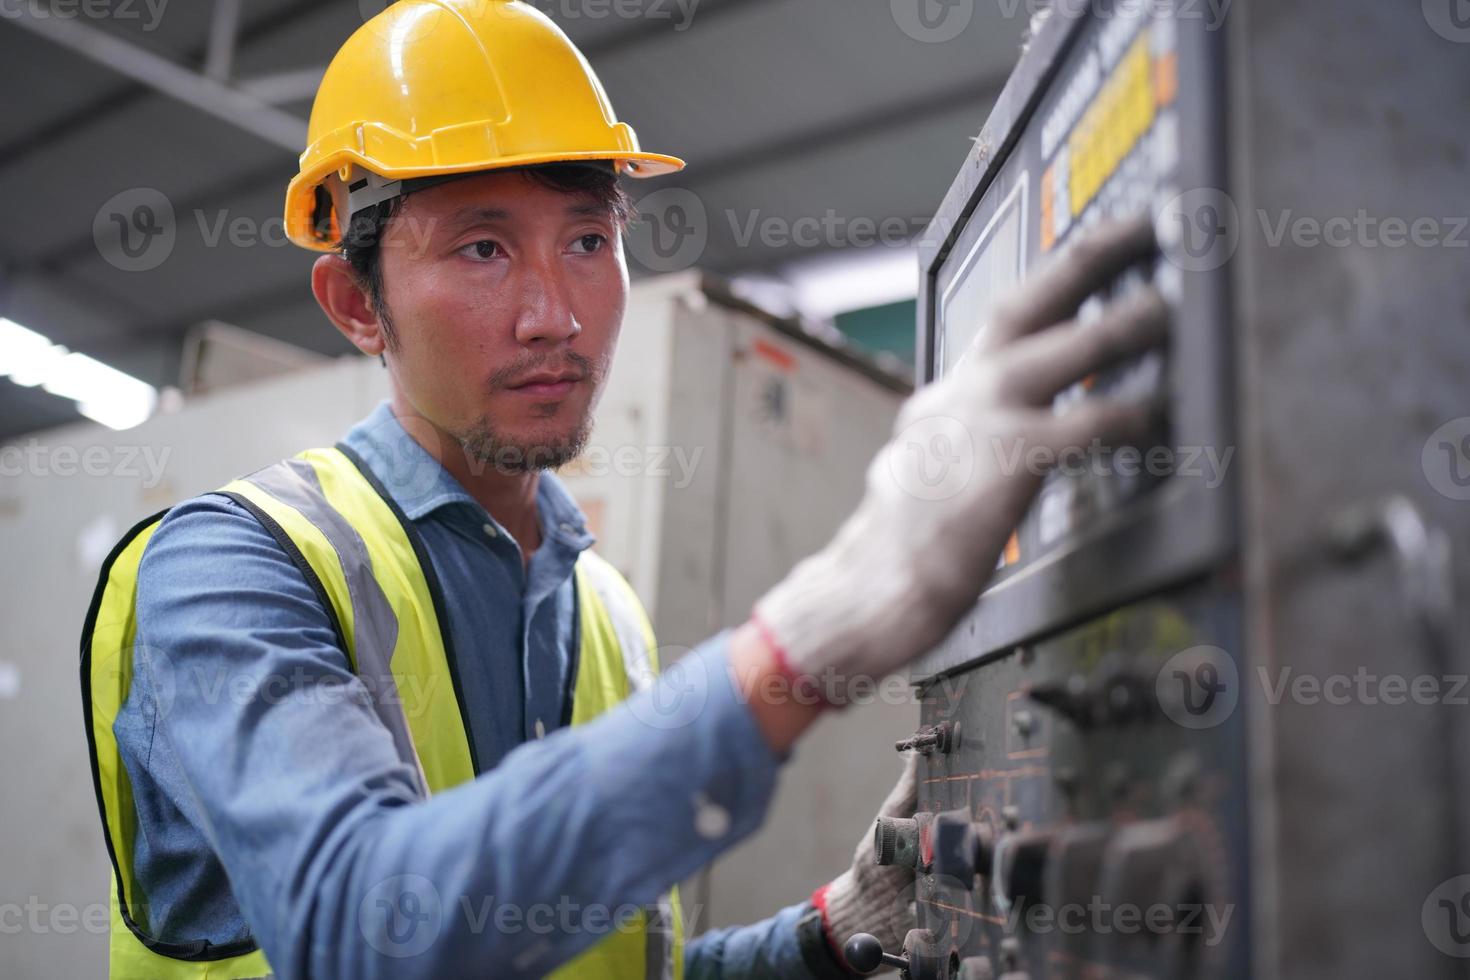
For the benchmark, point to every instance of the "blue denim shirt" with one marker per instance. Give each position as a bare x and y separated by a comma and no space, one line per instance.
267,789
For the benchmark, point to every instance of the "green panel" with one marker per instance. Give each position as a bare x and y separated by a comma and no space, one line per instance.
887,328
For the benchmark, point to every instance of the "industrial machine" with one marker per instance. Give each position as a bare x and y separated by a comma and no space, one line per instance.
1125,774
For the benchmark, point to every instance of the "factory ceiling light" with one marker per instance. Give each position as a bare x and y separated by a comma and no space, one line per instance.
102,393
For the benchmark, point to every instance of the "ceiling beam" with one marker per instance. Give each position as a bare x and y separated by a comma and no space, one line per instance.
126,95
206,94
284,86
224,29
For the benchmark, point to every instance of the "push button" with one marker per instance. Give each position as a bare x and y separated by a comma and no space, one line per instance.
962,847
898,842
1020,860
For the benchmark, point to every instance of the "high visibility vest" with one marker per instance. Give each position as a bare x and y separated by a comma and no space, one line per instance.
369,568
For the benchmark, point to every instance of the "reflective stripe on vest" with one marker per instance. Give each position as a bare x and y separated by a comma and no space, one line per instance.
364,560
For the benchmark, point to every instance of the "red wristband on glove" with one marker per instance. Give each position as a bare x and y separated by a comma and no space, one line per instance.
797,681
819,899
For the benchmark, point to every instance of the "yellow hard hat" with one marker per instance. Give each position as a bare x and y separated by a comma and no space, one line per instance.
435,87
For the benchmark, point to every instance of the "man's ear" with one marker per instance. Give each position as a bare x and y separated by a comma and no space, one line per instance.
346,303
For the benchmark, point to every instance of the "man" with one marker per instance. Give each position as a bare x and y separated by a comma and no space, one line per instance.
378,711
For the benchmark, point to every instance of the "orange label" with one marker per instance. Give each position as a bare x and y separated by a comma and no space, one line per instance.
1048,209
1166,78
774,354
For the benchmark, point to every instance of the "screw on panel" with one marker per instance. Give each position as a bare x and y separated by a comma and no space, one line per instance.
943,737
1024,722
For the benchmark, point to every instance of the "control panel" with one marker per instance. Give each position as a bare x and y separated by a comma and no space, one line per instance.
1081,806
1082,800
1106,116
1090,806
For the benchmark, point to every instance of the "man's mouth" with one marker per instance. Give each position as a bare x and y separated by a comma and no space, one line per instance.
549,384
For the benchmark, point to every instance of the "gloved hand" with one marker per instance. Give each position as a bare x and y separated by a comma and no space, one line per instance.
917,552
869,897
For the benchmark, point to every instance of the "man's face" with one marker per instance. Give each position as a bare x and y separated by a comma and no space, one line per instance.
506,298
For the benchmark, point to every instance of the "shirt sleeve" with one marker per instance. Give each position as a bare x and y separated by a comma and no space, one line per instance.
339,865
765,950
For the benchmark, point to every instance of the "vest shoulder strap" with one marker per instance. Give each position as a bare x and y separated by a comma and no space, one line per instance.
345,531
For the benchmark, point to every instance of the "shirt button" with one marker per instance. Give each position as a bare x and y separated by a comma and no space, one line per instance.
489,530
540,728
568,528
711,821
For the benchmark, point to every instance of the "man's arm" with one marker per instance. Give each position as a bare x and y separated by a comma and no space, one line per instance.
782,706
806,940
765,950
316,820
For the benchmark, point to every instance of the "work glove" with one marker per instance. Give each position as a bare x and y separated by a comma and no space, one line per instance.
944,495
869,897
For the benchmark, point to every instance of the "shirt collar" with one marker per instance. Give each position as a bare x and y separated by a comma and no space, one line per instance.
420,484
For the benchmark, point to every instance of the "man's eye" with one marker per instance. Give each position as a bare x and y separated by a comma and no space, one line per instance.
484,249
590,243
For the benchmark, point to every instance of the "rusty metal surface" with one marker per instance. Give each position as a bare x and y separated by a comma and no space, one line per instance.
1352,356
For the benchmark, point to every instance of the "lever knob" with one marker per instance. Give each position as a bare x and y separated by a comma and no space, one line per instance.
918,961
864,953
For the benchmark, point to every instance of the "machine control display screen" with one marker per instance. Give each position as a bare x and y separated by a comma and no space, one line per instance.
994,266
1104,142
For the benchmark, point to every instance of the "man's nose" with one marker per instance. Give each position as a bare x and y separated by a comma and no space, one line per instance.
546,314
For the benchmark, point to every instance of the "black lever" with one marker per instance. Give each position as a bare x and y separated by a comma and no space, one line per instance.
864,953
918,961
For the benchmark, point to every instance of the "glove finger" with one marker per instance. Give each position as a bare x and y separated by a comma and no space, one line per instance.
1081,269
903,799
1106,422
1035,368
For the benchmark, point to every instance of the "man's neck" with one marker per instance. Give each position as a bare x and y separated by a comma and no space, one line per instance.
510,498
